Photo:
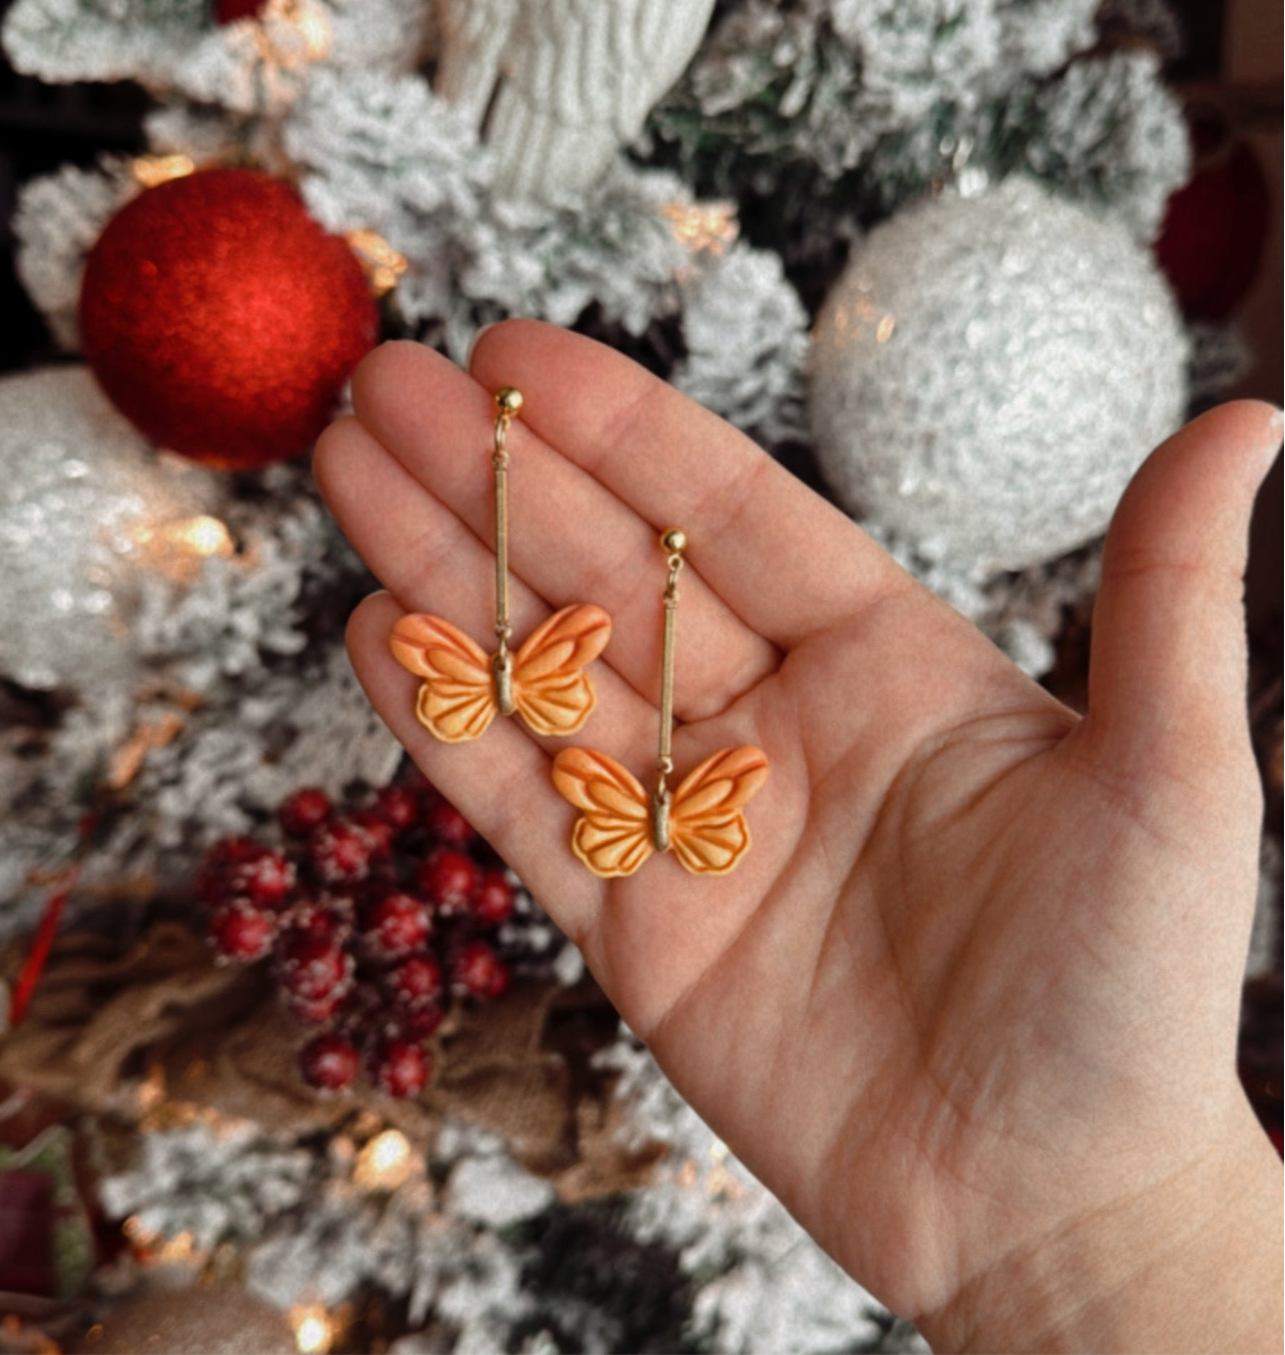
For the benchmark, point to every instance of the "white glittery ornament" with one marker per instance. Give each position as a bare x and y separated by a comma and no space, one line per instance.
86,507
989,372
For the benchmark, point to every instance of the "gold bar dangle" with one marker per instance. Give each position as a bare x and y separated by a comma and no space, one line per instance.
674,543
508,404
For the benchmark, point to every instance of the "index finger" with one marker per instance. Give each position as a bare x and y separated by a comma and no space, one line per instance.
786,561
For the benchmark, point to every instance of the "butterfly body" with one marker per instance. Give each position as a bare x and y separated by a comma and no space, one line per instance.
464,688
621,826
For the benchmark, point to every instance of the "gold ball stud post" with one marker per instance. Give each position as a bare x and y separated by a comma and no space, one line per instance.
674,541
508,401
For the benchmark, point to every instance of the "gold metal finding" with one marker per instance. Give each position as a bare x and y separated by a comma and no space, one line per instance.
508,405
674,543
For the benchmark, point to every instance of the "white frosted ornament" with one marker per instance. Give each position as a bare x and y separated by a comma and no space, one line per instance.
989,372
87,506
562,85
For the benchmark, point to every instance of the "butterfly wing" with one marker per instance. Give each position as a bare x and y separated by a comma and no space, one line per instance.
613,834
707,830
457,699
550,688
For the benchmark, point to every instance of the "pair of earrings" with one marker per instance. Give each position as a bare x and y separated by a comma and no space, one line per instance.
544,683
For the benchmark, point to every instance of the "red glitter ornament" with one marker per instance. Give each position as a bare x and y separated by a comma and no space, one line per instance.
1211,242
222,320
229,11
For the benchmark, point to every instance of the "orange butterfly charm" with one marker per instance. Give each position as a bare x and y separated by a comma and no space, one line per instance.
621,825
464,688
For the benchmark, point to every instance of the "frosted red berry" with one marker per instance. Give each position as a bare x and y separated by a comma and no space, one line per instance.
448,825
329,1061
494,898
414,984
396,925
304,811
328,916
340,852
421,1023
398,806
216,881
316,1012
377,829
398,1067
477,971
268,879
447,879
241,930
313,968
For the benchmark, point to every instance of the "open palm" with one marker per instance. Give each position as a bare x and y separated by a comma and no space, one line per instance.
976,980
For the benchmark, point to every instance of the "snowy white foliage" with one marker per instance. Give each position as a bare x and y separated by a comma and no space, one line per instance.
274,709
913,56
391,157
311,1230
216,1182
903,96
1038,36
387,155
174,47
1112,134
747,343
762,1283
58,219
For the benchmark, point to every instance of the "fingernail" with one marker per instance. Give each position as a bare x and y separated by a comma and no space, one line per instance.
472,348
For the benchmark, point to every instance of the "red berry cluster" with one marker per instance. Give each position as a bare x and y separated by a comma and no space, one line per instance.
374,919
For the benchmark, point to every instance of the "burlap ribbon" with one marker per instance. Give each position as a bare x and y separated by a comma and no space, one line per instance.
158,1028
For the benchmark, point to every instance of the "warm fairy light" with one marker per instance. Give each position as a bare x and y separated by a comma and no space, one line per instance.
386,1162
313,1330
179,1248
151,170
314,24
381,261
154,1248
292,33
151,1090
199,535
883,331
178,547
701,226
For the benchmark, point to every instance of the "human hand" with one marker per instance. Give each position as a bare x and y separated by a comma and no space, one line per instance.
969,1004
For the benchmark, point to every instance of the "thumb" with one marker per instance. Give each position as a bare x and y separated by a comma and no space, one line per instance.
1167,666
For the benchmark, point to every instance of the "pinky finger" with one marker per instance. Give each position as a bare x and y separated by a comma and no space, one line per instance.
499,782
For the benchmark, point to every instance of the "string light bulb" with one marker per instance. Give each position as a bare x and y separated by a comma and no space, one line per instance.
314,1330
704,226
386,1162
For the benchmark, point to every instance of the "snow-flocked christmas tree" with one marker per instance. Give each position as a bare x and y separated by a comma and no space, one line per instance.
853,228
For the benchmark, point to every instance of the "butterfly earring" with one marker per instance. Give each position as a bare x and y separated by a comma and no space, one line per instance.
701,822
544,682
